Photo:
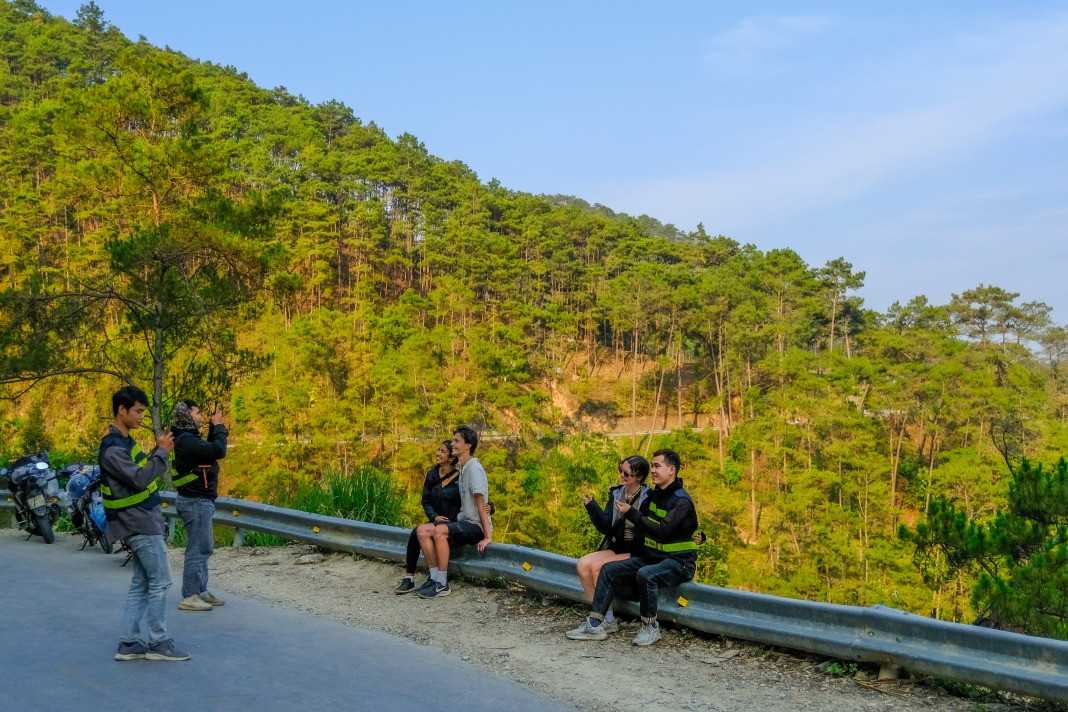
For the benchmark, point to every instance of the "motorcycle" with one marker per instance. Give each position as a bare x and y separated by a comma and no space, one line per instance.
35,490
86,504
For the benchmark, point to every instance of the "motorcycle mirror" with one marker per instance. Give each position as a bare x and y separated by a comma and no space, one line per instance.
42,465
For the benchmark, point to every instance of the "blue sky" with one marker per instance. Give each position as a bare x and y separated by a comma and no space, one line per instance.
927,143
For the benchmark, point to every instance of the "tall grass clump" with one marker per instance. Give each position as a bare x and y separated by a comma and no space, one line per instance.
366,495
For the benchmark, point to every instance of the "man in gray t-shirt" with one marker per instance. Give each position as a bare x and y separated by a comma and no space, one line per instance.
472,526
473,481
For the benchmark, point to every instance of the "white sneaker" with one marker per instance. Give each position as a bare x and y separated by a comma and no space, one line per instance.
194,603
648,634
610,626
587,632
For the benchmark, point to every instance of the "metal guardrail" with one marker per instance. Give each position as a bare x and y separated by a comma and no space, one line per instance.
878,634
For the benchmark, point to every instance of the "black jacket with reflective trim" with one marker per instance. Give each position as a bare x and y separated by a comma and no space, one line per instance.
676,526
193,455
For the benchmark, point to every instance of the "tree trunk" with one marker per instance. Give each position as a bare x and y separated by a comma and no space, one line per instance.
634,392
656,408
752,494
930,474
834,314
157,377
678,382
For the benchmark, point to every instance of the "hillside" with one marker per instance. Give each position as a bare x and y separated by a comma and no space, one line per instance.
350,298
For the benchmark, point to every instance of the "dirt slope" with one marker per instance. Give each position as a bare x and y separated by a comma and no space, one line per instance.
519,635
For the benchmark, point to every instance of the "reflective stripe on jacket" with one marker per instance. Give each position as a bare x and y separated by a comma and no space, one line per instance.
116,495
657,515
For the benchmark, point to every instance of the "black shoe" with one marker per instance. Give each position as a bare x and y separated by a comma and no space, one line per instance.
406,586
435,591
131,651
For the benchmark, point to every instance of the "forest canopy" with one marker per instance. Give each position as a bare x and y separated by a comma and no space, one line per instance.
351,298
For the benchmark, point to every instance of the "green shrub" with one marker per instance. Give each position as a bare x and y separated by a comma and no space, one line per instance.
367,495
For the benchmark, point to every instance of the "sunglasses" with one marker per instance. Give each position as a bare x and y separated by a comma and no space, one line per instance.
624,473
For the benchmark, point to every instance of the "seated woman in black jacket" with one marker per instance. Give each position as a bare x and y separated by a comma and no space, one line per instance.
620,539
441,502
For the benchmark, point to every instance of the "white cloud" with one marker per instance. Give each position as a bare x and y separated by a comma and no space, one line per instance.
755,38
984,86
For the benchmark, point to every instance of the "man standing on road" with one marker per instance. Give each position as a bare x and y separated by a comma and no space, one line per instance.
667,520
132,504
473,523
196,477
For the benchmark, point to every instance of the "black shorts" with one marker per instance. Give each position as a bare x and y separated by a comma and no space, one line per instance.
622,546
464,532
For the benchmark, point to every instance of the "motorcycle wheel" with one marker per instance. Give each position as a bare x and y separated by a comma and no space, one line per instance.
102,539
44,528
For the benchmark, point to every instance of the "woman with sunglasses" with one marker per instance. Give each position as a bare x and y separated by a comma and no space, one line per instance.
620,538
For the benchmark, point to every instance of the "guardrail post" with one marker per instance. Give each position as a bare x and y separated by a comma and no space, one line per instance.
239,538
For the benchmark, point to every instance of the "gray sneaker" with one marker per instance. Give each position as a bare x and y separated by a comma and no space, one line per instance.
587,632
131,651
610,626
648,634
165,650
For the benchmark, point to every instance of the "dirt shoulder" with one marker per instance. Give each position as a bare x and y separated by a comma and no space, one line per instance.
519,635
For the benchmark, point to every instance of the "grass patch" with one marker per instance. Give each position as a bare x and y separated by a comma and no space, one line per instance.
222,535
177,536
367,495
263,539
967,690
842,669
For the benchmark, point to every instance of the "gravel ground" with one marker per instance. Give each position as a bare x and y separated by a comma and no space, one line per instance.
520,635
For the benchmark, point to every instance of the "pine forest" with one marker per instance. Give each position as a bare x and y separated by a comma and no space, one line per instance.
349,299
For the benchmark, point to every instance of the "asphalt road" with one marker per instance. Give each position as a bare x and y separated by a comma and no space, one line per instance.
60,610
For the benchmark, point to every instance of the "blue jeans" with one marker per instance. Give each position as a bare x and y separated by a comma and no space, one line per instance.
148,590
645,574
196,513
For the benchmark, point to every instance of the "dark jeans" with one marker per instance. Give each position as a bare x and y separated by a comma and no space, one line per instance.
645,574
196,514
411,557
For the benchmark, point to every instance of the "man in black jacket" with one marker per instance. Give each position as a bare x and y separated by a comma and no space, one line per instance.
196,477
667,521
